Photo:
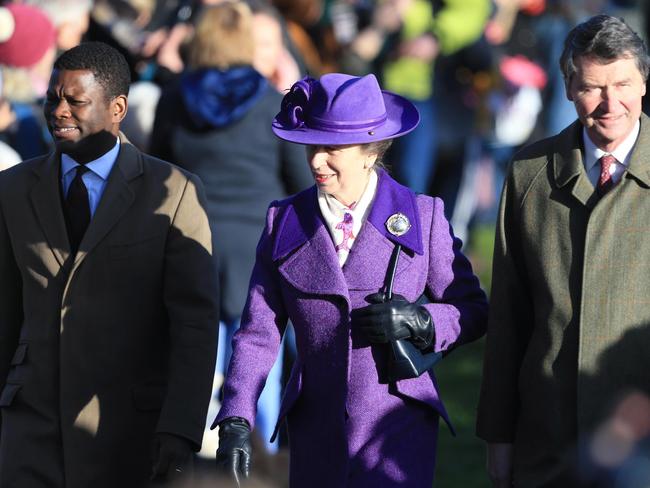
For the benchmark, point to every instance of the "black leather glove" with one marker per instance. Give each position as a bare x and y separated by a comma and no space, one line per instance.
384,321
234,452
171,457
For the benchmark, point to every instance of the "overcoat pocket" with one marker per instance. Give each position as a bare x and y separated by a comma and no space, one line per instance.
133,249
8,394
19,354
291,394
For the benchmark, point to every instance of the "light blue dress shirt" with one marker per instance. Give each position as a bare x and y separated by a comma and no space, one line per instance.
95,179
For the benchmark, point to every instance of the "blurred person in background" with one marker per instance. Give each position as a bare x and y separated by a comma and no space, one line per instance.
303,20
167,43
403,42
8,156
571,268
272,58
510,93
215,122
69,17
165,46
616,453
133,28
139,120
27,52
328,260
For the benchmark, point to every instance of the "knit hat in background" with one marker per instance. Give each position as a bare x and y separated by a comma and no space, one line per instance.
26,34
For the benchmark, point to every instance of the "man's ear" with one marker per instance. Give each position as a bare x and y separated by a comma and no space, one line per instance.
119,107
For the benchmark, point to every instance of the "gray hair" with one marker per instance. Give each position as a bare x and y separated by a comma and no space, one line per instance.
605,38
379,148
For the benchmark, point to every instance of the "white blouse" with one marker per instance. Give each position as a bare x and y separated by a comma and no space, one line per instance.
343,222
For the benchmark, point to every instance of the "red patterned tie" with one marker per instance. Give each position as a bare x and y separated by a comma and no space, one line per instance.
605,182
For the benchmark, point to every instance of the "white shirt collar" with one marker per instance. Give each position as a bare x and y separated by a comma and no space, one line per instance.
621,153
333,212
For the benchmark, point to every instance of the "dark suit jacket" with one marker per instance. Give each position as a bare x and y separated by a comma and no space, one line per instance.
101,350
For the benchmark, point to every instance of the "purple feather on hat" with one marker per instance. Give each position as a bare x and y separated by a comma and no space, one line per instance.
295,103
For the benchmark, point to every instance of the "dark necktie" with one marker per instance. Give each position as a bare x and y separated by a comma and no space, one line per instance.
605,182
77,209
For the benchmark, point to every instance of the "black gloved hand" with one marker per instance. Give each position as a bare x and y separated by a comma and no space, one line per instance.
171,457
384,321
234,452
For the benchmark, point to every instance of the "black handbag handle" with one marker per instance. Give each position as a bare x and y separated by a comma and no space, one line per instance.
390,273
404,359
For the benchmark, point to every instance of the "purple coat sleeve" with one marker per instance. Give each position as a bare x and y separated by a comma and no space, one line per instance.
459,306
263,322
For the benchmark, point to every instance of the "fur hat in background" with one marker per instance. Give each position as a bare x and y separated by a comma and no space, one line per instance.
26,34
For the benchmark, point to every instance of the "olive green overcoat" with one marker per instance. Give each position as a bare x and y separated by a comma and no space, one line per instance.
569,326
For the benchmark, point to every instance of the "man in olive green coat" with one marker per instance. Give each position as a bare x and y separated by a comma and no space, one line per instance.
569,328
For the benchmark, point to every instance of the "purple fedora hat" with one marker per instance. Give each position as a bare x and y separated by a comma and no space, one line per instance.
341,109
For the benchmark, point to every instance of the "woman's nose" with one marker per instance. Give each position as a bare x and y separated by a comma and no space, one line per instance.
317,159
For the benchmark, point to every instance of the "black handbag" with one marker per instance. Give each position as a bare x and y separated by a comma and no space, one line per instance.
404,359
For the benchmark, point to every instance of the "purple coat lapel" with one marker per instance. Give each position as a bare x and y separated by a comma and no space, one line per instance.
375,243
392,198
303,233
361,270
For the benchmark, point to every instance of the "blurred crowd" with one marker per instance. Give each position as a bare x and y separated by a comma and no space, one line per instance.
483,73
206,84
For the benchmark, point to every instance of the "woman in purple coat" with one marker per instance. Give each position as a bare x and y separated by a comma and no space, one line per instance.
358,263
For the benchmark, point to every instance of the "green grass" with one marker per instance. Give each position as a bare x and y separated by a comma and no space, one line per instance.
479,250
461,459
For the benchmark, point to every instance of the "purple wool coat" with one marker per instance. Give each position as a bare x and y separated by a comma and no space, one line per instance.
346,428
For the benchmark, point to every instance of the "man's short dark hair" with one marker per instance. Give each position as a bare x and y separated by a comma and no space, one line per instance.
106,63
605,38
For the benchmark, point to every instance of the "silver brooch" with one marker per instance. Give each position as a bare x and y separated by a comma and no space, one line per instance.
398,224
